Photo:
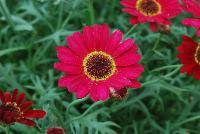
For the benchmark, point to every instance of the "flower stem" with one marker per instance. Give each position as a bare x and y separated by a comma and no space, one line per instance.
86,112
6,13
130,30
7,130
157,42
75,103
91,11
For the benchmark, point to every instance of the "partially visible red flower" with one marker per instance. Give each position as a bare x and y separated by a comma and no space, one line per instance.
119,94
192,7
97,60
164,28
55,130
152,11
15,109
189,56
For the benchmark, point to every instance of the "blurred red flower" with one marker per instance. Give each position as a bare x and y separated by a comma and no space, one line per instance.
118,94
96,61
192,7
55,130
14,108
189,56
152,11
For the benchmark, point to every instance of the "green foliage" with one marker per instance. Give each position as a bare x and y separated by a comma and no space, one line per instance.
168,102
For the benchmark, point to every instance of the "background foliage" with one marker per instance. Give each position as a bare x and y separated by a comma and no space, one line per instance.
168,102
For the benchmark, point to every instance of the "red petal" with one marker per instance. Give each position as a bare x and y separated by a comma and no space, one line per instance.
127,59
134,20
21,98
26,122
67,56
35,114
14,95
1,112
198,32
55,130
114,41
197,74
26,106
9,117
153,27
191,22
68,68
7,96
124,47
135,84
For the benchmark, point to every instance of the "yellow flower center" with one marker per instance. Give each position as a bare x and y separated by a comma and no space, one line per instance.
148,7
99,65
197,55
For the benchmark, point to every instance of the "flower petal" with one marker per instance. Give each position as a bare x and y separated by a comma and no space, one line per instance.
67,68
153,27
118,81
127,59
67,56
102,92
7,96
132,72
197,73
191,7
84,89
26,105
35,114
114,41
135,84
191,22
14,95
124,47
76,44
198,32
26,122
20,99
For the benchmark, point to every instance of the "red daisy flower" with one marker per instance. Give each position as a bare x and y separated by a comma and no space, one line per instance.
193,8
15,109
55,130
96,61
153,11
189,55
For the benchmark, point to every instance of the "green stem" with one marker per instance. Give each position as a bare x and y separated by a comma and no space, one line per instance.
166,67
7,130
86,112
67,19
91,11
70,14
157,42
6,13
130,30
60,15
149,52
75,103
150,82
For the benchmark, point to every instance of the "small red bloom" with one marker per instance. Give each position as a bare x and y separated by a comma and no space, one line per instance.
153,11
96,61
118,94
55,130
192,7
189,56
15,109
